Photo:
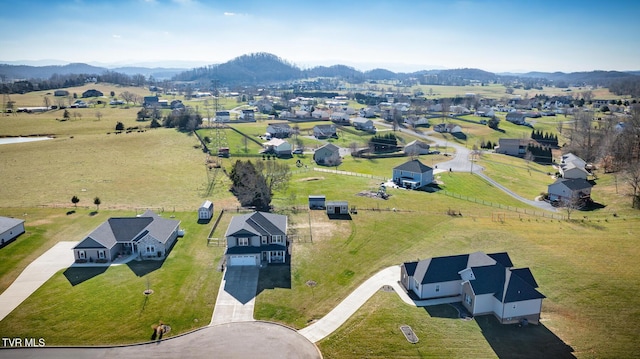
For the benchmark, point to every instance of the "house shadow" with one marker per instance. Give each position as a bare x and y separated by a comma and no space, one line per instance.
592,206
341,216
204,221
274,276
528,341
142,268
442,311
433,187
459,135
77,275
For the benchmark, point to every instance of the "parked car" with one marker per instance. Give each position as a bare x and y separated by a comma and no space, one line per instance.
297,151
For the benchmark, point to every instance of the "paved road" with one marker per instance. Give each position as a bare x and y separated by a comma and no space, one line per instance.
232,340
237,294
60,256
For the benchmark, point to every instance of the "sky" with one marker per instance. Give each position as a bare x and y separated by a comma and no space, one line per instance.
399,35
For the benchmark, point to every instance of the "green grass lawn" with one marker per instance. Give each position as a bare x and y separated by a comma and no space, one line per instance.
97,306
586,268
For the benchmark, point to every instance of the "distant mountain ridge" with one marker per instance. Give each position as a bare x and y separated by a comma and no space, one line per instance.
262,68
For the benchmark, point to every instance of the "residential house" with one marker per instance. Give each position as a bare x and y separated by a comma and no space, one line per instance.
337,207
60,93
277,146
368,112
363,124
572,166
205,212
248,115
416,121
278,130
484,283
512,146
569,191
412,174
324,131
10,229
148,236
516,117
150,101
327,155
223,116
416,147
92,93
485,112
256,238
447,128
339,118
317,202
321,114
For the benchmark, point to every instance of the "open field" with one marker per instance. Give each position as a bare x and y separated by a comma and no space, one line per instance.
586,268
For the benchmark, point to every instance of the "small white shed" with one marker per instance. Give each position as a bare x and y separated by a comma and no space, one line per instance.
205,212
10,228
337,207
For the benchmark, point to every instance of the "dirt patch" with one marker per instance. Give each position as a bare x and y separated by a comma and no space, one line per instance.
372,194
310,179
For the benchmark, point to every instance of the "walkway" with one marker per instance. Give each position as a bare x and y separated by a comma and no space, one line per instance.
59,257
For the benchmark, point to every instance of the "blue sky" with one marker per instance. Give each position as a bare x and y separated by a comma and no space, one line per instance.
400,35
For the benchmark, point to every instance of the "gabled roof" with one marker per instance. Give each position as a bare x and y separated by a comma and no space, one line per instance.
360,120
517,289
417,143
257,224
207,204
488,279
128,229
329,147
414,166
574,184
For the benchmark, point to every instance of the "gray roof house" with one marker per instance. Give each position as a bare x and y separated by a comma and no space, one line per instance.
516,117
256,238
484,283
363,124
324,131
147,236
512,146
327,155
412,174
569,190
205,212
10,229
416,147
279,130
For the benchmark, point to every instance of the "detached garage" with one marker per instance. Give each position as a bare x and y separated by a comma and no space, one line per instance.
10,228
337,207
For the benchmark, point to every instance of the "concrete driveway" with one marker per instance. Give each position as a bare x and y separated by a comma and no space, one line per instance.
236,297
60,256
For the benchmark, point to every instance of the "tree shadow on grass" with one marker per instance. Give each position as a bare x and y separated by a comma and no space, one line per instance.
142,268
515,341
77,275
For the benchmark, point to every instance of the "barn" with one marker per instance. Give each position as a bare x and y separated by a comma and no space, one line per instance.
317,201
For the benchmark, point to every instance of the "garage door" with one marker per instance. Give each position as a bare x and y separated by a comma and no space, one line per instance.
242,260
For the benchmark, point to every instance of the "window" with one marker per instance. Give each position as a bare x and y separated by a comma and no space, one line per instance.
276,239
243,242
468,299
437,288
82,254
151,249
264,239
101,254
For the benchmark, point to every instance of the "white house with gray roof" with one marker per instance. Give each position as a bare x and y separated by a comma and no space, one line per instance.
148,236
256,238
10,229
412,174
569,190
484,283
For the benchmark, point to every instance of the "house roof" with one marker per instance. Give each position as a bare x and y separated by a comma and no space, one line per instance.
254,249
337,203
417,143
492,274
129,229
7,223
329,147
574,184
414,166
275,142
361,120
280,126
257,224
207,204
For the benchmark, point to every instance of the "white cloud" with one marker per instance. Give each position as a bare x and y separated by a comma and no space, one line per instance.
115,36
230,14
